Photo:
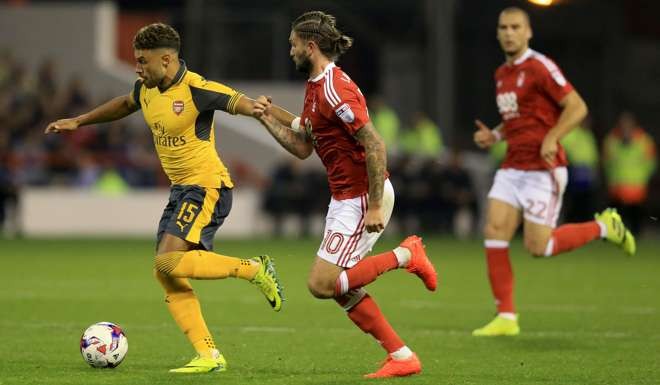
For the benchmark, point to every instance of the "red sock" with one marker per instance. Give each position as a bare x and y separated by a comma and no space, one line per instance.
365,272
501,277
367,316
573,235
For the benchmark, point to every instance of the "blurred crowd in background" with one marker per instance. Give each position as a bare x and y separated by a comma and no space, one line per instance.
435,192
116,153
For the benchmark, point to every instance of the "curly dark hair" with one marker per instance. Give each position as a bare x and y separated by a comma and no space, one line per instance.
321,28
157,35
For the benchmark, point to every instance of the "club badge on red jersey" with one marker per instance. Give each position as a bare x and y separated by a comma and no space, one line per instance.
521,79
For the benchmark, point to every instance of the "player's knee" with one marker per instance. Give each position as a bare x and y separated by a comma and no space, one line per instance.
536,247
164,263
162,278
320,289
493,230
171,285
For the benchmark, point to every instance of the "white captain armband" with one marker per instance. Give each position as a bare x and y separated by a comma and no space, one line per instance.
497,134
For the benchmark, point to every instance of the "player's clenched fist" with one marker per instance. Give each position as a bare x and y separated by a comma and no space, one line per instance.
261,106
374,221
549,149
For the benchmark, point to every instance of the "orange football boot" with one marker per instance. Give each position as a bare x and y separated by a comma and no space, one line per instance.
397,368
419,263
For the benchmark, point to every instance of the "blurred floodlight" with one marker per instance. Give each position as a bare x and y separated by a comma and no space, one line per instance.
544,3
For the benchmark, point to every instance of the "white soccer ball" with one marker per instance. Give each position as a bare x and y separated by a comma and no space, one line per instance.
103,345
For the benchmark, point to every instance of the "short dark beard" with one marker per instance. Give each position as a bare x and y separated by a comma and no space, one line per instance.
149,84
305,66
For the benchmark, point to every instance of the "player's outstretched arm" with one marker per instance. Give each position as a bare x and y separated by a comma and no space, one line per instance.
376,160
246,106
295,140
114,109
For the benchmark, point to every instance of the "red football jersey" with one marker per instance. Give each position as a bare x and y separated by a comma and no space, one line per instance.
334,111
528,92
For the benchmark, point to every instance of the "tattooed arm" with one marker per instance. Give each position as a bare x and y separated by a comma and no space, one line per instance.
297,142
376,166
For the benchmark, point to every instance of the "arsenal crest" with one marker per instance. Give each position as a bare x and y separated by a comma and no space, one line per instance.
177,106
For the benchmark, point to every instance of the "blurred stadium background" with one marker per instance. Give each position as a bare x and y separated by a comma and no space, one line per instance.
425,66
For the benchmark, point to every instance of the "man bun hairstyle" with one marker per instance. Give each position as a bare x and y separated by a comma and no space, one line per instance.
321,28
157,35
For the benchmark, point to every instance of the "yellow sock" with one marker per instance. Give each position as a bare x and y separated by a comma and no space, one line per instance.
200,264
187,313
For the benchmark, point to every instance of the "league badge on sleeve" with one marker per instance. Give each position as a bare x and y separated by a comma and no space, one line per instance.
177,106
345,113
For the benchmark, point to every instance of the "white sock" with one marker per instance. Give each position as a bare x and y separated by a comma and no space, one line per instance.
549,247
509,316
343,283
603,229
402,354
402,255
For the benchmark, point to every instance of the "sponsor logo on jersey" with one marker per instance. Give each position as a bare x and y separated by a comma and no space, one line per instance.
177,106
162,139
345,113
507,104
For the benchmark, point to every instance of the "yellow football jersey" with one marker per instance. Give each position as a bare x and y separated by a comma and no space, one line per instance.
181,121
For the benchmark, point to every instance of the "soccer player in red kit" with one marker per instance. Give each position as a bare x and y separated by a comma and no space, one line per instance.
538,106
336,124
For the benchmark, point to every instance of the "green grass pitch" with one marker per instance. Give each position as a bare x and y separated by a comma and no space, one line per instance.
588,317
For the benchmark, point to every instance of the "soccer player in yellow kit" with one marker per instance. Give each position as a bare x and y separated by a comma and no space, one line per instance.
178,106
